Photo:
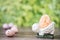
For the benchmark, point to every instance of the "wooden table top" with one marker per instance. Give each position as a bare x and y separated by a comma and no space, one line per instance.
27,34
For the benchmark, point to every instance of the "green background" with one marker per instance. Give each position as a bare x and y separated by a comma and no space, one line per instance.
24,13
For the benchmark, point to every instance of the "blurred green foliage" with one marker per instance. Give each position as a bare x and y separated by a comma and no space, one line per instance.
26,12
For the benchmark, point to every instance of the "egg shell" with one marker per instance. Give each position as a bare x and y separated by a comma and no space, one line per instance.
9,33
11,25
35,27
5,26
14,29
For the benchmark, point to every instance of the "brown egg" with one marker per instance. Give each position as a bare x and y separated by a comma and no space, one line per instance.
5,26
14,29
9,33
44,21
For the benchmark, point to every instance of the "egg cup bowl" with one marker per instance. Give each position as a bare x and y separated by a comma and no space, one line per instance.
47,35
47,32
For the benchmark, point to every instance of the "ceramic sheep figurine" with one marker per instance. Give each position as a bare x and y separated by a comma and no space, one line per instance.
45,28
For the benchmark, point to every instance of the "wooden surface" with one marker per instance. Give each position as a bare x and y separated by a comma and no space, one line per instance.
27,34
